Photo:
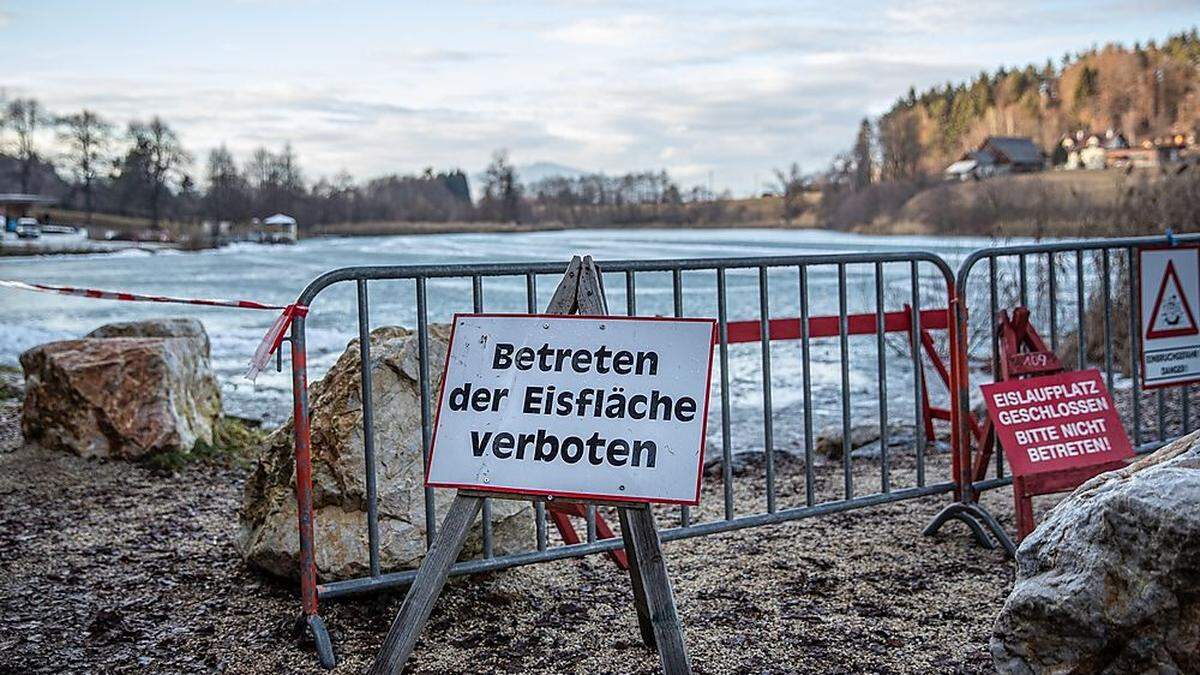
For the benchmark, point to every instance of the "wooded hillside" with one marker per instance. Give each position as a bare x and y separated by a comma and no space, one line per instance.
1144,91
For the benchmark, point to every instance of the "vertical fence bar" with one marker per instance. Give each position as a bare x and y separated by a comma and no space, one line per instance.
1106,288
918,374
764,319
1135,333
806,366
486,512
630,293
1161,396
1080,309
426,423
368,420
303,457
994,311
994,307
726,448
1185,393
1053,281
844,342
685,513
885,473
1023,280
539,509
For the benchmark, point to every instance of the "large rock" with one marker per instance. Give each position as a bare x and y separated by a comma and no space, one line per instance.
269,538
1110,581
122,397
831,442
157,328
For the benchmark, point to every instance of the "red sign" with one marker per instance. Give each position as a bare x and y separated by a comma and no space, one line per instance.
1056,422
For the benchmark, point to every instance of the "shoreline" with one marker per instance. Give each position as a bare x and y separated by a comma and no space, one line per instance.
487,227
895,229
431,229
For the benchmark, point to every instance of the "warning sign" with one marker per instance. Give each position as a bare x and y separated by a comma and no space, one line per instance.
575,406
1056,422
1170,283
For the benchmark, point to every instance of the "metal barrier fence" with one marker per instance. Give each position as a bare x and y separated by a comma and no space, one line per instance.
856,322
860,324
1083,298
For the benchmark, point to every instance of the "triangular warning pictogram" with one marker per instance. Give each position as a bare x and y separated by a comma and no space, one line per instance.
1173,318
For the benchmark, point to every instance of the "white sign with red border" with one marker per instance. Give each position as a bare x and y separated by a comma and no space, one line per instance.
1170,303
610,408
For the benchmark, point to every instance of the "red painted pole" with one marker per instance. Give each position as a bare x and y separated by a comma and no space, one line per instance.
304,506
960,446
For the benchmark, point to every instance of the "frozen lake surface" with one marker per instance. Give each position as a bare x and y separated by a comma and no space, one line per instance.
276,274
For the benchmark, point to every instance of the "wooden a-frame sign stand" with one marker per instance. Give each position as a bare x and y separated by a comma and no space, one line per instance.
581,291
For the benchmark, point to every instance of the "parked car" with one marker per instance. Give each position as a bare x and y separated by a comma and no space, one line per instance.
27,228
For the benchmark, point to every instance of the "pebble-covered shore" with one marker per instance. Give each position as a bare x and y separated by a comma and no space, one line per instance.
110,567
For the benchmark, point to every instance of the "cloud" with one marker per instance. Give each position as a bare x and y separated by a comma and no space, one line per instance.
435,55
682,86
626,30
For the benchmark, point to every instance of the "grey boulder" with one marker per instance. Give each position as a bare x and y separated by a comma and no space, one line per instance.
1110,580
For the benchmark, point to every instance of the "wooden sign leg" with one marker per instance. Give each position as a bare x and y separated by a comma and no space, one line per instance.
635,579
647,558
426,588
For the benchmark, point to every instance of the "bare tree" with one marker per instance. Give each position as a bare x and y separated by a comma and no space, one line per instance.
792,186
227,197
162,159
25,115
501,192
88,139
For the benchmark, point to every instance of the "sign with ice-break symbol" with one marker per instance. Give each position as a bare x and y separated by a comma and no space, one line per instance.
1170,298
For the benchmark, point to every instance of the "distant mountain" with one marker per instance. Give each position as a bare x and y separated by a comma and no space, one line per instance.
532,173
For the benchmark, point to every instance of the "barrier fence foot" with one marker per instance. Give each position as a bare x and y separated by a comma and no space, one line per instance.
975,517
1002,538
321,639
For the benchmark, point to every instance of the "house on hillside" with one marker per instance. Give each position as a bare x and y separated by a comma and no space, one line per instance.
1081,149
997,155
1014,154
974,165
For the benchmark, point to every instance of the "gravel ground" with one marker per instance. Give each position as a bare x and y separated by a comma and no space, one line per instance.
109,567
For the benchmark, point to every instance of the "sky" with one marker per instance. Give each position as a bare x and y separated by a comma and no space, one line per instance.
725,92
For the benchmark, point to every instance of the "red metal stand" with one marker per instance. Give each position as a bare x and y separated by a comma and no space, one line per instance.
560,513
1024,354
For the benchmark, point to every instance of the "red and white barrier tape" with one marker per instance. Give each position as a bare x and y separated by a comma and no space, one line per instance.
262,354
273,339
